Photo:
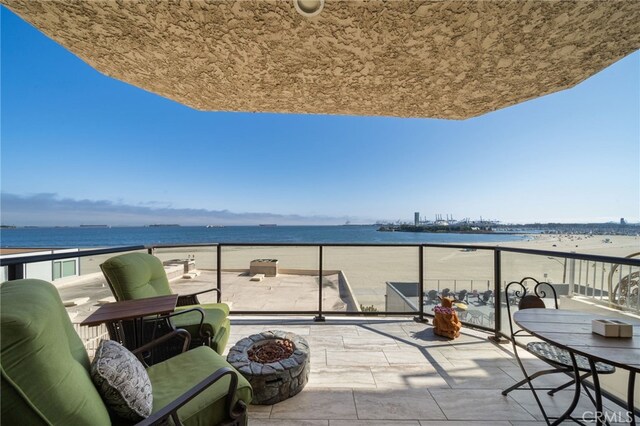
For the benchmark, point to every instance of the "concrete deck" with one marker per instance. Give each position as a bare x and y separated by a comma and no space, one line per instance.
397,372
282,293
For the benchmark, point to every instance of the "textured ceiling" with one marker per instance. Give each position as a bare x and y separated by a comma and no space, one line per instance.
446,59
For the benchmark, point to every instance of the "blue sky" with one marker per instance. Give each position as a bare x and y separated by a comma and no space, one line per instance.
77,145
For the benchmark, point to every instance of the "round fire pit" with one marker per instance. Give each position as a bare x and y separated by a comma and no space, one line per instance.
276,363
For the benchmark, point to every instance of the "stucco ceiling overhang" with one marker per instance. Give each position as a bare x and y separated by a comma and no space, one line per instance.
445,59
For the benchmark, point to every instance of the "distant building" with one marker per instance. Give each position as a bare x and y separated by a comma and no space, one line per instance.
416,218
622,221
48,270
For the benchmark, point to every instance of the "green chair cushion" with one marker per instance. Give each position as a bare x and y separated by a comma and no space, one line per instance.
171,378
215,321
215,315
45,367
136,276
141,275
222,336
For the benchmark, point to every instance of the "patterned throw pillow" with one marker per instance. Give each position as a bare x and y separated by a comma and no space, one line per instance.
122,381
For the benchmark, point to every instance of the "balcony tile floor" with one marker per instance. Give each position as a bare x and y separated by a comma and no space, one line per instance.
397,372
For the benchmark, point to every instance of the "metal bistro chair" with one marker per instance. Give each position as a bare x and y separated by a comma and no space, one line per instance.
560,359
474,316
462,296
432,297
485,298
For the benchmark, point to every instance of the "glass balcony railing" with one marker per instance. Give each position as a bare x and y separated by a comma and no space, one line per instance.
368,279
362,280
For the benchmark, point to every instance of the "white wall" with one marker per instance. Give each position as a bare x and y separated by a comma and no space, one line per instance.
38,270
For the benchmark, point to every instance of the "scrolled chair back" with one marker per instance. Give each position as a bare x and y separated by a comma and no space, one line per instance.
529,299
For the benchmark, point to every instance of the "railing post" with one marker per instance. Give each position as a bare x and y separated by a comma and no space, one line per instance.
638,301
150,250
15,272
571,275
219,271
319,317
497,298
420,317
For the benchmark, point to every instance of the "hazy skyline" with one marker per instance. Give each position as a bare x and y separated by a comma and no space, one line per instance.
77,142
27,211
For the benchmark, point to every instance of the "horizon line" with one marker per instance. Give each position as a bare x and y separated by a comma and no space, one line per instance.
275,225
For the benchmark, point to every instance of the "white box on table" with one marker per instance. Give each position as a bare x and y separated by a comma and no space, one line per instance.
624,329
611,328
605,327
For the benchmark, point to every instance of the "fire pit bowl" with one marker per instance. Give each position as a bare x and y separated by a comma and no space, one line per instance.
276,363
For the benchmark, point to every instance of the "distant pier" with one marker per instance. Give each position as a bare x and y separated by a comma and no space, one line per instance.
462,229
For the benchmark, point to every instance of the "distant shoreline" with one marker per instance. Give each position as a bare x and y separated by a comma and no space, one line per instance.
566,228
133,236
440,229
537,228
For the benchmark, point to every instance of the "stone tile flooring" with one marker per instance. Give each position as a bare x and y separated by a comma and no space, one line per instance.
397,372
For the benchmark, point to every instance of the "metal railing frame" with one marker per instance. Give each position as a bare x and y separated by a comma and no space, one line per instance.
16,265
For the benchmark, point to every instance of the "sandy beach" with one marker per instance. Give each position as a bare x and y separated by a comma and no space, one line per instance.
369,268
365,272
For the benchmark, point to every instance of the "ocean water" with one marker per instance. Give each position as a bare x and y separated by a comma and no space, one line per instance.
127,236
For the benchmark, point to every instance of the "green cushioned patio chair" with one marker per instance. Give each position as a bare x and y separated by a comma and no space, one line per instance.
46,377
141,275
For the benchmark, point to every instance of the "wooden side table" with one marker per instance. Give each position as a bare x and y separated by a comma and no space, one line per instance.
113,314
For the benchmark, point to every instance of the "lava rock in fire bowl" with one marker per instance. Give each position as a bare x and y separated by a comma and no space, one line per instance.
276,363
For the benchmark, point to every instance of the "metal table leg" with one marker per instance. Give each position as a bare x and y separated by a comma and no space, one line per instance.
576,395
596,387
630,398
